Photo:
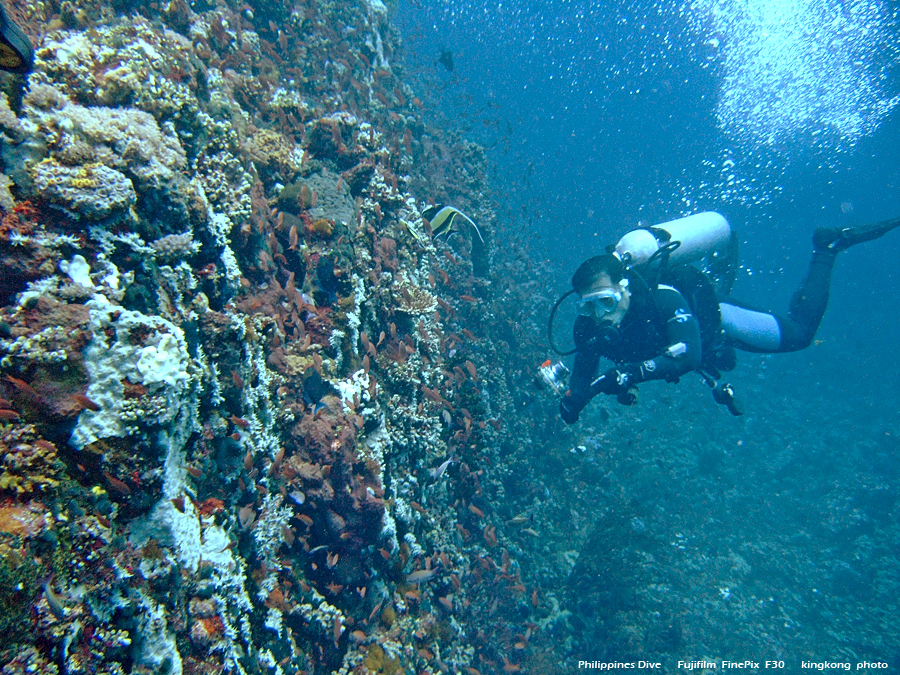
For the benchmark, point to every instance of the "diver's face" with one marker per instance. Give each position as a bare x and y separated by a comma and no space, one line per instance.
606,302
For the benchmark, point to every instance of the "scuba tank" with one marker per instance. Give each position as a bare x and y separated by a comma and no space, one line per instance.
700,235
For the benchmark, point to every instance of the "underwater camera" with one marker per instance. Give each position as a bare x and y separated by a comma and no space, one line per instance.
552,375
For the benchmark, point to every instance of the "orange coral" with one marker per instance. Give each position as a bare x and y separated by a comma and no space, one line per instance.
23,521
206,631
211,506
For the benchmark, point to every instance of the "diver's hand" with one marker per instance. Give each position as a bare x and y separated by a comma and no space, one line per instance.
570,407
614,381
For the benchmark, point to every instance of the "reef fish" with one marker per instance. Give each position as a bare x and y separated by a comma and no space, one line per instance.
446,59
439,471
420,576
443,220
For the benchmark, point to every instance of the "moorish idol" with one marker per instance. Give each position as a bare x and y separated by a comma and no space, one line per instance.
16,55
442,220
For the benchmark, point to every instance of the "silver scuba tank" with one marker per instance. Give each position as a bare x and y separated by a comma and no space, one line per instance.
699,235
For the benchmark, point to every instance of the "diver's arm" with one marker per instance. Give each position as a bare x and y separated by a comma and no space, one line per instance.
682,354
684,349
583,370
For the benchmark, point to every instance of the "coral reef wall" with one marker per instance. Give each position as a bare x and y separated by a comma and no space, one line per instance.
252,413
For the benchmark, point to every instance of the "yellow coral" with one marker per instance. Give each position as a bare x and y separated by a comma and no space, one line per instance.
379,661
321,226
272,152
29,462
85,178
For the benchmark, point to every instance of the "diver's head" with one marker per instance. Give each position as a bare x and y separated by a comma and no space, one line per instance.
603,289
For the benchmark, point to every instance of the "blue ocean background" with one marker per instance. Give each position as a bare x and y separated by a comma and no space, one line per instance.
781,115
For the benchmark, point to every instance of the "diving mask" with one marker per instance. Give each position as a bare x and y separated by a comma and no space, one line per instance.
600,303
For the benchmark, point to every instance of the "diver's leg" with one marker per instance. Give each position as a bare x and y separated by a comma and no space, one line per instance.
757,330
808,303
811,299
748,328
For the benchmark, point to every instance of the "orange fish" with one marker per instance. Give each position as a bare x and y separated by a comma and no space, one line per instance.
85,402
21,385
240,422
117,485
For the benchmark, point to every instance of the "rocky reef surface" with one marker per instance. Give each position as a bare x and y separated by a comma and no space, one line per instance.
235,363
255,418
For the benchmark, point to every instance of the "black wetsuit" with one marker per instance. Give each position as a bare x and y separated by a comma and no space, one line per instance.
659,337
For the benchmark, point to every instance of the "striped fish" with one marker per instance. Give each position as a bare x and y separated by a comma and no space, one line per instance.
443,220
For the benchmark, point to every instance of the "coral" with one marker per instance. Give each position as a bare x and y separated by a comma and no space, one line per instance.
379,661
92,191
270,526
324,194
164,362
226,186
175,246
28,661
321,227
125,139
385,254
183,354
7,203
412,299
29,462
18,585
129,347
129,63
45,346
26,521
274,156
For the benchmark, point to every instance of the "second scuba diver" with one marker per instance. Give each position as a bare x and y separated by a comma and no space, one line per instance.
659,324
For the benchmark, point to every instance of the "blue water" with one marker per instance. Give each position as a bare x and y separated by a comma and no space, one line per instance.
782,115
600,115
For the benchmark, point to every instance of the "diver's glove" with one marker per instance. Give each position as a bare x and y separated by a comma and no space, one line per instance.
615,381
570,406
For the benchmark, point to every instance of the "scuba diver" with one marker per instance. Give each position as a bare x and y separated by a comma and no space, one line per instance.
657,318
